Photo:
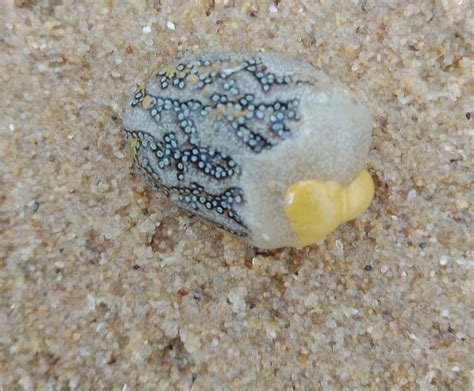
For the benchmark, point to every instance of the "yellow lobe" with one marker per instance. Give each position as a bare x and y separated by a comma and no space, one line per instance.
133,144
314,209
168,70
358,196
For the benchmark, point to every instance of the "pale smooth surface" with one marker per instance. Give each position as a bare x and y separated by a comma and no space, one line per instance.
105,286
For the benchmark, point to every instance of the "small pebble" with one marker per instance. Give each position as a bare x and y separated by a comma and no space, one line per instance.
411,195
443,261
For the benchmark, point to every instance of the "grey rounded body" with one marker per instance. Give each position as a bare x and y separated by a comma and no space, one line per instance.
223,135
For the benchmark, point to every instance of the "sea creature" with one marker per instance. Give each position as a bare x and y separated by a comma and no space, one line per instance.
262,144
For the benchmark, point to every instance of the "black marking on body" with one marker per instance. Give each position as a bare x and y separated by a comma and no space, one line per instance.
258,126
193,197
169,153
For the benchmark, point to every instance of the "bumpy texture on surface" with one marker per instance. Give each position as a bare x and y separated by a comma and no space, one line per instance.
224,135
105,286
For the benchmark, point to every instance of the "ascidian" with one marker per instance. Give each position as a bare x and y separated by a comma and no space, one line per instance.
262,144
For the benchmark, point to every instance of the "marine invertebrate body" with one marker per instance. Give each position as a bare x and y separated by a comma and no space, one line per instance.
264,145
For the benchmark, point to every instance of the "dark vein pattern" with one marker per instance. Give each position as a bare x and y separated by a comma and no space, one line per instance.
199,177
